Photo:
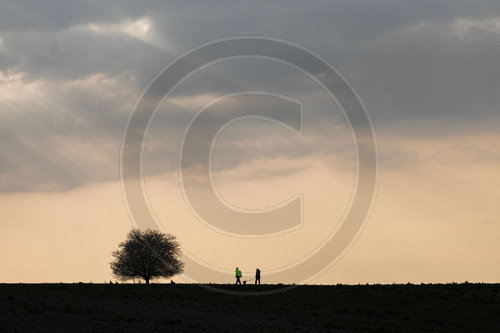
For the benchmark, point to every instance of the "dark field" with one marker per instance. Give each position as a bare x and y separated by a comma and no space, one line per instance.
340,308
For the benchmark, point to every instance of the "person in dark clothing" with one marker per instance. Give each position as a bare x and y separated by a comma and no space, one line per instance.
257,276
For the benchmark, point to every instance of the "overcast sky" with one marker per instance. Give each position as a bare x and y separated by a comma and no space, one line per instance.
427,71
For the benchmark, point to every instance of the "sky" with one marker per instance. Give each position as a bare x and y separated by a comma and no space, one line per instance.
428,73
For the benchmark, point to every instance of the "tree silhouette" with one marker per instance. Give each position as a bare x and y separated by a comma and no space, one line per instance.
147,254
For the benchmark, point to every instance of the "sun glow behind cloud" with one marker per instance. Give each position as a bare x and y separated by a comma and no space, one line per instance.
137,29
141,29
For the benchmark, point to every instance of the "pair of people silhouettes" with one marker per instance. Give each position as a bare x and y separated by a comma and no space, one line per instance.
238,275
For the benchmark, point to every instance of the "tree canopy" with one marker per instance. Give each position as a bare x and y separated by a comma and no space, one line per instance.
147,254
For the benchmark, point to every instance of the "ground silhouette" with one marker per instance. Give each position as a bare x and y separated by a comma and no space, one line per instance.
181,307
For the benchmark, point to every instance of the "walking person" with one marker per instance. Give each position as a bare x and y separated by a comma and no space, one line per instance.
237,274
257,276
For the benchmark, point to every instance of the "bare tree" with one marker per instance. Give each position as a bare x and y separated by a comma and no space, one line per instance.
148,254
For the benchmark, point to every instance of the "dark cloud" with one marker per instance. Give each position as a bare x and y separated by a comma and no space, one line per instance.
71,70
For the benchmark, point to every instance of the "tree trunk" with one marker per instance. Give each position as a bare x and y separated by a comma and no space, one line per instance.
147,280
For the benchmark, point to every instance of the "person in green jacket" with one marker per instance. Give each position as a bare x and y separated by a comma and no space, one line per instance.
238,275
